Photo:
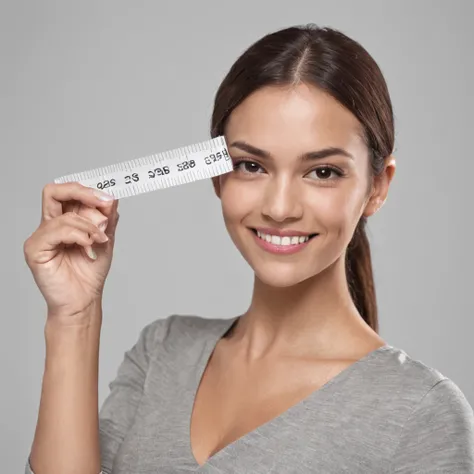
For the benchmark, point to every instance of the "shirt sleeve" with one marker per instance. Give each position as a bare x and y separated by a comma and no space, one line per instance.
120,406
438,436
29,471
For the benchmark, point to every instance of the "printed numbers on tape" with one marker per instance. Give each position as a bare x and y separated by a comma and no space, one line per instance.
162,170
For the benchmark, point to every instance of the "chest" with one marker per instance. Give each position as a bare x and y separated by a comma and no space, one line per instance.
279,418
232,403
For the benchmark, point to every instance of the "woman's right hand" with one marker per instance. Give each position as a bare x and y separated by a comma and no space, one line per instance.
59,253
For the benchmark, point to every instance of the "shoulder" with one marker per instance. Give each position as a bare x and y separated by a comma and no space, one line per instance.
447,401
419,385
409,393
182,323
410,378
438,433
433,417
180,330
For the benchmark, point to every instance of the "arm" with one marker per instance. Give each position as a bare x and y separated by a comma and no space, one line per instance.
67,437
119,408
438,437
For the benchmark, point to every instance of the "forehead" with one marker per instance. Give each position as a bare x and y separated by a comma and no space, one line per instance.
295,118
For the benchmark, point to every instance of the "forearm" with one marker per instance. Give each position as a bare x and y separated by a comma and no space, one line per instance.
67,435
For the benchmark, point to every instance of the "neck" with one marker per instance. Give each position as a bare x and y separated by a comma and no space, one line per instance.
315,318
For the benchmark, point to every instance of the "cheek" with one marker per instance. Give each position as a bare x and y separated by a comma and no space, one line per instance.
238,199
338,210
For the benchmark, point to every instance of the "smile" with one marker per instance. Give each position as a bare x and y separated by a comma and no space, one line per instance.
282,244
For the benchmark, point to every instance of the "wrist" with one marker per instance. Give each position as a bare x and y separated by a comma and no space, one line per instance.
75,319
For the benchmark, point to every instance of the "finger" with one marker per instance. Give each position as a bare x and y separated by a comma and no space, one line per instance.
82,239
94,233
96,216
105,208
54,195
111,209
107,220
41,242
71,219
113,217
112,225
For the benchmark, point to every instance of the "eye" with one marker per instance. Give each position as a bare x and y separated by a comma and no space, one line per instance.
324,173
247,167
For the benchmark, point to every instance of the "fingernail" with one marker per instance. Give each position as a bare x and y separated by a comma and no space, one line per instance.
104,196
103,226
91,253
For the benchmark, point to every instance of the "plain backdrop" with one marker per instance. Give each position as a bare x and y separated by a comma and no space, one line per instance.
86,84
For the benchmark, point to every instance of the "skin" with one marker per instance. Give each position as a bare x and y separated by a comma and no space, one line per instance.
300,302
301,328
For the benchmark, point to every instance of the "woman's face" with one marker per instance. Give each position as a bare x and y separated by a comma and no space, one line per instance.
282,193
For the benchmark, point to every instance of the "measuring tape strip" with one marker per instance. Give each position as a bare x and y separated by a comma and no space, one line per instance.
162,170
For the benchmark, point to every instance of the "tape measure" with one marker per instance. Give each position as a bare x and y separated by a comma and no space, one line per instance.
162,170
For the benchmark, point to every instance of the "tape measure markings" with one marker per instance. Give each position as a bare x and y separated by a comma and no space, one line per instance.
162,170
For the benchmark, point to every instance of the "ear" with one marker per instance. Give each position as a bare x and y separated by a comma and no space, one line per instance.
380,187
216,182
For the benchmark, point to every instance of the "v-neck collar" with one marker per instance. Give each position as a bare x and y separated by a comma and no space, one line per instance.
219,330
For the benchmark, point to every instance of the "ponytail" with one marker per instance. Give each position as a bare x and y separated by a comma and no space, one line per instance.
360,275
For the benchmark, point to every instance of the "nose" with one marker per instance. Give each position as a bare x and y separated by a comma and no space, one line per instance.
282,201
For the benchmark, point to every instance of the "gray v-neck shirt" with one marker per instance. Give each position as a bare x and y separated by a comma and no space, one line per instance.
385,413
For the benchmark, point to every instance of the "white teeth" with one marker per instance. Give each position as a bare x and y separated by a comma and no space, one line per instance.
287,240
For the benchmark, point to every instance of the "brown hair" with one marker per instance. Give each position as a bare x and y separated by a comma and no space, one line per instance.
329,60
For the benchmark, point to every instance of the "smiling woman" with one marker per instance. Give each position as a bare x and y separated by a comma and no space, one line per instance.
301,382
302,170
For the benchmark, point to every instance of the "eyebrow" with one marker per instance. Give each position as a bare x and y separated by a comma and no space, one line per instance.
308,156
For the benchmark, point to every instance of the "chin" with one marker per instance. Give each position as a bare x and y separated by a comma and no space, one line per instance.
281,277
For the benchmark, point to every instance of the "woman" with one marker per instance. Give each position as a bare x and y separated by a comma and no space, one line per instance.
301,382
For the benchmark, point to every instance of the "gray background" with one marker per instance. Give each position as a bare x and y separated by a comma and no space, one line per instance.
90,84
